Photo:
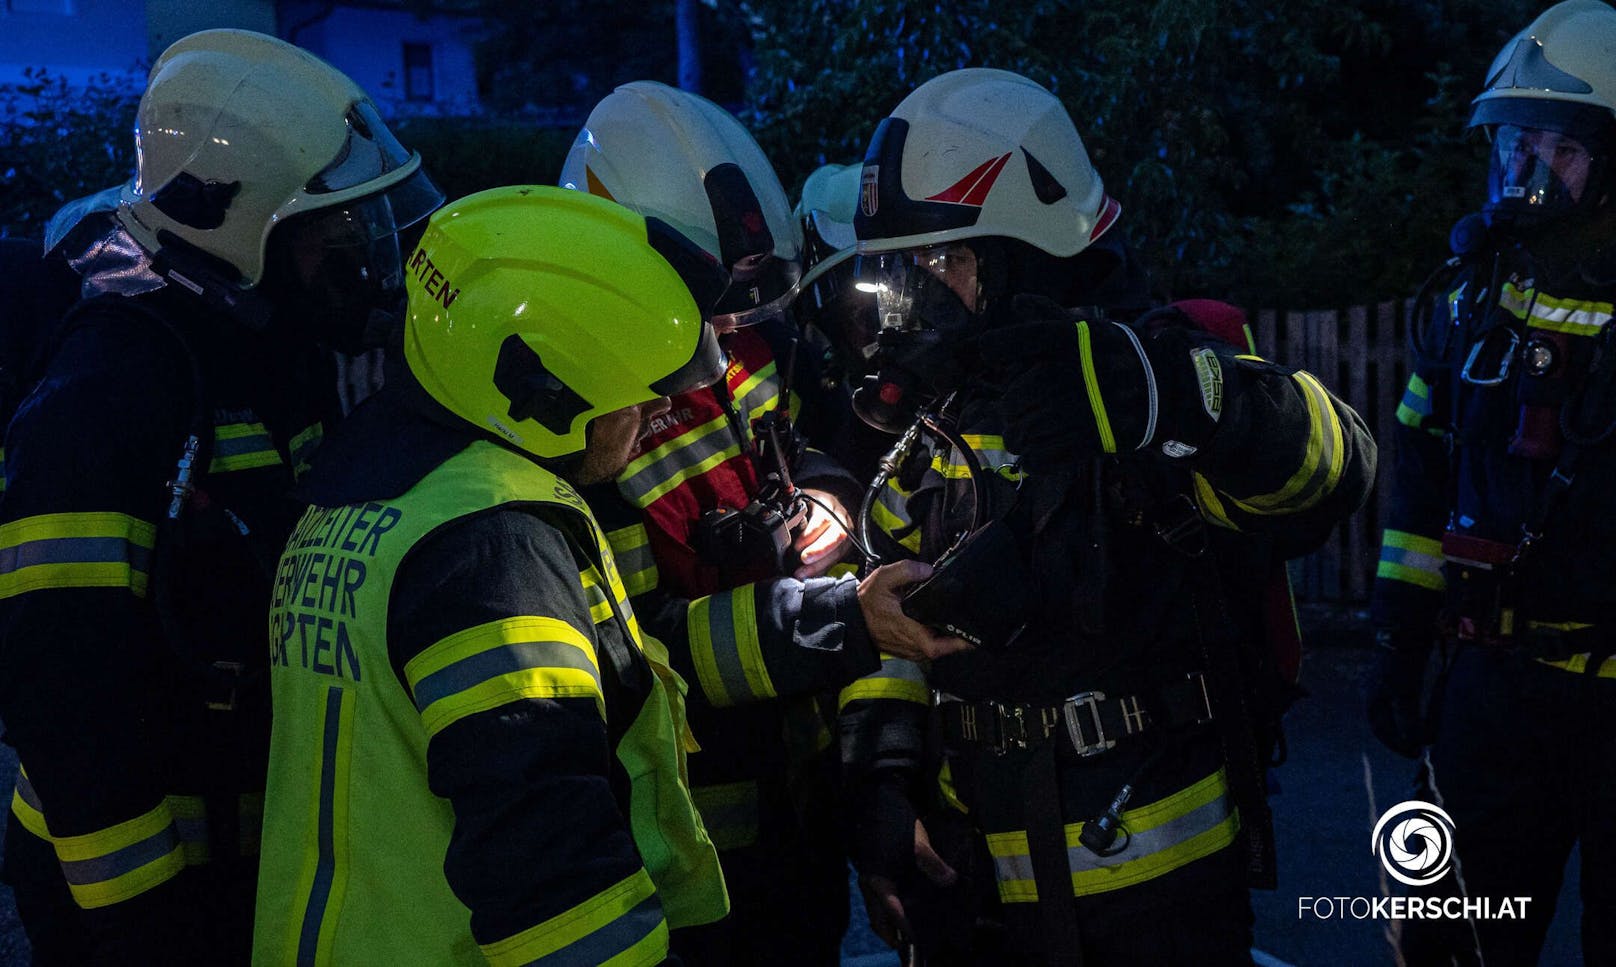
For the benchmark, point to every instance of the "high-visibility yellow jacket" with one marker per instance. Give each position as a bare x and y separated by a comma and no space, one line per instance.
371,852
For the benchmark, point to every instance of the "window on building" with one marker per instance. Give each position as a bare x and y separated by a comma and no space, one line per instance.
418,84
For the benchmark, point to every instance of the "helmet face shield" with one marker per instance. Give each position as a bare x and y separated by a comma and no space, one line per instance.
919,289
1537,173
775,309
341,268
367,153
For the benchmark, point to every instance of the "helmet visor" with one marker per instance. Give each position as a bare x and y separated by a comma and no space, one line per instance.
1537,172
773,309
923,288
344,268
368,152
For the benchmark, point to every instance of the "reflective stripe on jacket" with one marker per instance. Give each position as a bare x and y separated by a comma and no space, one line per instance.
353,855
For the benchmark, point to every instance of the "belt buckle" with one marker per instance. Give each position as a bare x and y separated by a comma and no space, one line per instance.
1010,726
1074,725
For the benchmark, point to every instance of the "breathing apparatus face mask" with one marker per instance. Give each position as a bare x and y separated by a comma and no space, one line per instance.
1537,174
339,271
926,303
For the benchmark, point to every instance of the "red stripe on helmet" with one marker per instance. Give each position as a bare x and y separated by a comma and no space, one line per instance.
979,194
1108,214
974,185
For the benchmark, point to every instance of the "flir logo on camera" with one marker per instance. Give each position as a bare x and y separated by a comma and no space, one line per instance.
1414,842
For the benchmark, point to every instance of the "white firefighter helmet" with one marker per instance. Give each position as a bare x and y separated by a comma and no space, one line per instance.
679,158
980,153
238,132
1549,108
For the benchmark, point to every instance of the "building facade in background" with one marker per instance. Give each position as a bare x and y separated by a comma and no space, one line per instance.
410,64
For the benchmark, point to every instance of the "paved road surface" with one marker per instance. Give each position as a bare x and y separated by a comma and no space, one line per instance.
1323,815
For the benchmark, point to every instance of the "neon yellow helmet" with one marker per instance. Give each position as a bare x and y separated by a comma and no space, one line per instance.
533,310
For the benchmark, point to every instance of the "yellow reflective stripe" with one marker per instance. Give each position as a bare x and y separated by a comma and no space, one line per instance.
191,824
600,609
730,812
1321,463
752,382
631,546
1419,577
891,523
1211,507
302,447
1410,541
684,439
113,864
1578,665
324,878
96,549
655,473
1412,559
945,786
1579,317
1108,440
897,679
242,446
725,648
500,662
189,812
622,925
25,806
1416,404
686,473
1163,836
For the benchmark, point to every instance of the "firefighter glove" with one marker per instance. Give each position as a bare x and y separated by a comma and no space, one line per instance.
1072,387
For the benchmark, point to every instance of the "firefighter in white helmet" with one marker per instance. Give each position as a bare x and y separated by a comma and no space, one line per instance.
146,490
1494,544
725,525
1113,502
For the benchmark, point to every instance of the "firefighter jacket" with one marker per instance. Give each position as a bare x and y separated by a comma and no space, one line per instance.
1484,428
1147,574
763,653
131,657
476,755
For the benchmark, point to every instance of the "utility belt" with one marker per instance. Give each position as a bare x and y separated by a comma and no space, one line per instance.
1086,725
1484,606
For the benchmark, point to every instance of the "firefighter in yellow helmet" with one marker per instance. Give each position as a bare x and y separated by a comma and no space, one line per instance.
727,522
146,489
477,754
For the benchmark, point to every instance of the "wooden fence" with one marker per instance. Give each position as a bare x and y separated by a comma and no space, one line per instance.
1360,354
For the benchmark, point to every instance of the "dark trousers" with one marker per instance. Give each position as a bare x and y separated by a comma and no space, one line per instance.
787,892
1525,763
784,912
1198,914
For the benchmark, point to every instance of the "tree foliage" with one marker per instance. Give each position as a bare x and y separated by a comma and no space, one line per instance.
1292,153
1284,152
59,142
